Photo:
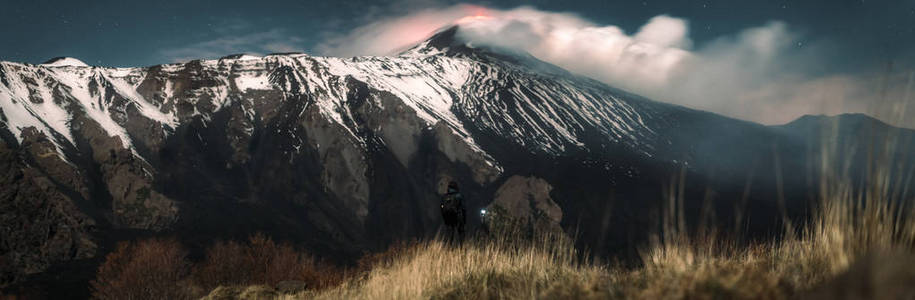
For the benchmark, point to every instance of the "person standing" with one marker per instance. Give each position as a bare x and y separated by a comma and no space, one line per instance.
453,213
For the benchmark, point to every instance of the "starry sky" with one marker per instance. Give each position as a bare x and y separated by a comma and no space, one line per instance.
842,52
138,33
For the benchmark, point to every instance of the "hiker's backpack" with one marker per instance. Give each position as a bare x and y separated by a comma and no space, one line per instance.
451,204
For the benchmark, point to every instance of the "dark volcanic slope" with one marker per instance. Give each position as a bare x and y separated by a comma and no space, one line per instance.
343,155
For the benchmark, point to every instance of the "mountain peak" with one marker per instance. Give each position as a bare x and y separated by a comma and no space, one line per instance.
444,40
64,62
846,120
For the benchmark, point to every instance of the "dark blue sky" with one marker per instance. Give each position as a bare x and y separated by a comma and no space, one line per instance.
861,34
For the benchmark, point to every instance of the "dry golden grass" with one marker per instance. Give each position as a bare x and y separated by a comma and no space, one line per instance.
851,224
479,269
858,243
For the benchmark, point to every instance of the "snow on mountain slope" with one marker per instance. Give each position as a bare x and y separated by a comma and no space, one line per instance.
47,98
64,62
543,111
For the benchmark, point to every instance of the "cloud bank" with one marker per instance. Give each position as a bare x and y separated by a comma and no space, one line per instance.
767,74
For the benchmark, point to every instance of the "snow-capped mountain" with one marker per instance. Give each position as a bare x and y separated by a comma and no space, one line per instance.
342,154
545,112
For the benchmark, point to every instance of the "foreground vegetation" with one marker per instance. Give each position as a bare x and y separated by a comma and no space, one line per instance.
859,243
858,246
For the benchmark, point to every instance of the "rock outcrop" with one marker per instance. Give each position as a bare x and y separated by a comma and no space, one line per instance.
40,221
525,202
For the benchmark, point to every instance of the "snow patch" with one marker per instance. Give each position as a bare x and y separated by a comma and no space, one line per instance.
20,112
248,81
64,62
147,109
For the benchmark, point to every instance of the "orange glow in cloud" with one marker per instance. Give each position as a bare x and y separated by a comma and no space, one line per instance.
470,19
478,11
475,13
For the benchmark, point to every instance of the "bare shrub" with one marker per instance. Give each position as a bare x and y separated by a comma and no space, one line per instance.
148,269
261,261
225,265
323,275
7,297
269,262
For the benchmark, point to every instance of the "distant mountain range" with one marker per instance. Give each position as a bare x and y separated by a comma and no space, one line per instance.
346,155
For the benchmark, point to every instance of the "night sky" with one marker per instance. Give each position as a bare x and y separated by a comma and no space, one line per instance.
137,33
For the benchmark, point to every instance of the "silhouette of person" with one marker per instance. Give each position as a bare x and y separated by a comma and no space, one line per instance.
453,213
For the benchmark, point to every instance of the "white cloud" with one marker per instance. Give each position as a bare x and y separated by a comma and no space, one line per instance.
758,74
665,31
645,60
259,43
387,36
